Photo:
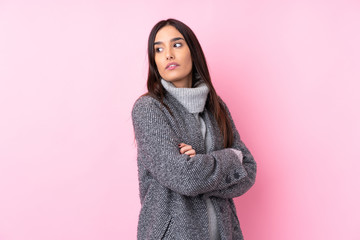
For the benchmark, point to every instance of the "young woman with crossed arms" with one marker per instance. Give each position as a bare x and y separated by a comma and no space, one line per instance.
191,160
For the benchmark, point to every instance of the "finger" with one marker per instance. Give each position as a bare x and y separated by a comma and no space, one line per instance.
190,152
181,145
185,149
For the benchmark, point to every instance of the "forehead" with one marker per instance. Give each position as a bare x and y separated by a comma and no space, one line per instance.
165,34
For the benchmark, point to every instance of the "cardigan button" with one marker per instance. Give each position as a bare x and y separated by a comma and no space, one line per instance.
227,179
236,175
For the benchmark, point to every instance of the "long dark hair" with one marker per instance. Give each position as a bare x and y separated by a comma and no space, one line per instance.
199,71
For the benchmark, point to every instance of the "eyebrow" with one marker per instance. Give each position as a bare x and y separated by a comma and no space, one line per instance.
172,40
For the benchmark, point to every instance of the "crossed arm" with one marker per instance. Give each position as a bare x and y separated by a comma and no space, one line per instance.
176,165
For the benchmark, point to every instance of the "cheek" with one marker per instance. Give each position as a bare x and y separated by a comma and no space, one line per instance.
158,64
189,61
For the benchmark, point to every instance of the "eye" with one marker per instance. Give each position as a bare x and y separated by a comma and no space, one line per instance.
177,45
158,49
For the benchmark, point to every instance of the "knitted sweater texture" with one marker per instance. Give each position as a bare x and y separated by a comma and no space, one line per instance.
194,100
173,185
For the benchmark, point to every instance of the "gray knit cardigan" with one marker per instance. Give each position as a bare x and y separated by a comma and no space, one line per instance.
173,185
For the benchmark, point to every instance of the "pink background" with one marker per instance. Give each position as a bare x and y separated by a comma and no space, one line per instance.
71,70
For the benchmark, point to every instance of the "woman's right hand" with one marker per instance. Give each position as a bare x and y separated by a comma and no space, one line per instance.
187,149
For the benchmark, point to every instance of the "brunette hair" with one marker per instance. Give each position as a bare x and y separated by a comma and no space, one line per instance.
199,71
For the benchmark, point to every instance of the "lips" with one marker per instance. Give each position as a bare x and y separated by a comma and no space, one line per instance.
172,65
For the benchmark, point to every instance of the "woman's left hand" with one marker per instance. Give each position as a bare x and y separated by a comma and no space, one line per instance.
187,149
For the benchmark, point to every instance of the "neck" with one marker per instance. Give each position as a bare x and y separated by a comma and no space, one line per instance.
183,83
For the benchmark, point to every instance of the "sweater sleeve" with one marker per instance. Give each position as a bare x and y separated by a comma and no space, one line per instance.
248,162
158,152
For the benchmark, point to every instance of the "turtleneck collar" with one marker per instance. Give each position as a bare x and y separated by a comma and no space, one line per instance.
193,99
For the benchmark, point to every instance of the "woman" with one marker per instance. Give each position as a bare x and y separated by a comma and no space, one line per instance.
191,160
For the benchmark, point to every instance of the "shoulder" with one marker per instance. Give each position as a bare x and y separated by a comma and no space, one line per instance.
146,104
145,101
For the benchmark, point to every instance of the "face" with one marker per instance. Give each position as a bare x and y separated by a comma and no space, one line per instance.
173,57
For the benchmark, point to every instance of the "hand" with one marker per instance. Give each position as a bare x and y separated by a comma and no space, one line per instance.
187,149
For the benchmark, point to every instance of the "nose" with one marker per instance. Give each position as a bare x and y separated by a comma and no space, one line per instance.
169,55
